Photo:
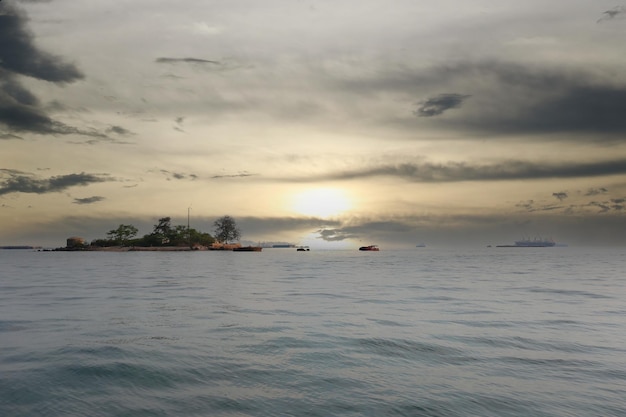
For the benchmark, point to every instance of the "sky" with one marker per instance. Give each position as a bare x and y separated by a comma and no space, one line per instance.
321,123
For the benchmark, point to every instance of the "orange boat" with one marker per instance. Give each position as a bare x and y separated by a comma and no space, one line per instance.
370,248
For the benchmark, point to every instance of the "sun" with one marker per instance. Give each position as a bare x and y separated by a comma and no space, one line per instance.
321,202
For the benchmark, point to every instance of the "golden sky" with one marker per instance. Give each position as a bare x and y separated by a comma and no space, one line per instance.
332,125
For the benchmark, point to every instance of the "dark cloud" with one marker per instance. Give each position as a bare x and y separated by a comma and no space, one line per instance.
20,109
613,204
579,109
560,195
9,136
522,100
602,206
21,117
460,171
165,60
24,183
118,130
18,53
177,175
435,106
88,200
509,98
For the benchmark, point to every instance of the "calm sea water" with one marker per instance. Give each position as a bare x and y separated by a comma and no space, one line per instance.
423,332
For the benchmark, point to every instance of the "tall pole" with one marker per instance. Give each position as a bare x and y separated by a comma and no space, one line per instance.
188,229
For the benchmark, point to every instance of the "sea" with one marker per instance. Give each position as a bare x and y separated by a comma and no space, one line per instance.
414,332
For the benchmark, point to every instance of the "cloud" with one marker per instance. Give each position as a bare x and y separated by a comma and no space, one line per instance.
177,175
240,175
336,235
9,136
165,60
596,191
435,106
118,130
19,55
461,171
24,183
602,206
560,195
507,98
19,108
614,13
88,200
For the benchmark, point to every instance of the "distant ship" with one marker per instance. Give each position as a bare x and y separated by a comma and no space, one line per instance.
373,248
531,243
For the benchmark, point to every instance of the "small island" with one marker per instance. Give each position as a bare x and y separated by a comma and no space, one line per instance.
164,237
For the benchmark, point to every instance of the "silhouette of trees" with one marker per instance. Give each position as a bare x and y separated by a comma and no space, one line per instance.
122,234
163,234
226,229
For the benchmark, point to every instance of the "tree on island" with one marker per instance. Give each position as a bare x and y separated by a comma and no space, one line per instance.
122,234
226,229
163,234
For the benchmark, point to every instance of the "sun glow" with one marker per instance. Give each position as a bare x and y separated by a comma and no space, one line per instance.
321,202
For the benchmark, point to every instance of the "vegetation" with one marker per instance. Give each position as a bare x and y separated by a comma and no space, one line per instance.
163,234
122,234
226,229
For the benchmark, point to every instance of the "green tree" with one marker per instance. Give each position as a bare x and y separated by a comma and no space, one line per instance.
200,238
226,229
162,233
122,234
164,227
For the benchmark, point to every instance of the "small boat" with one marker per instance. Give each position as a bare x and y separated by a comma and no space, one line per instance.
373,248
303,249
248,249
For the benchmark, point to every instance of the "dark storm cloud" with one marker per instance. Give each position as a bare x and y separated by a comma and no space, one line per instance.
19,108
460,171
165,60
560,195
523,99
24,183
435,106
509,98
579,109
22,117
88,200
19,54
